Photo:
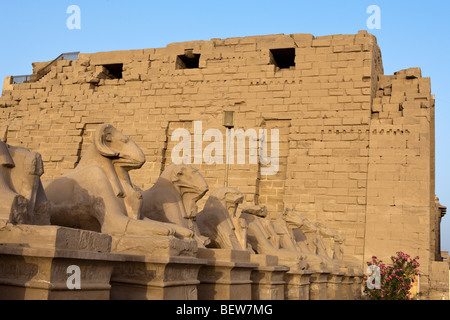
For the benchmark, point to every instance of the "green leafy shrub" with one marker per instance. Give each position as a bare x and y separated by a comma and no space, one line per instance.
391,282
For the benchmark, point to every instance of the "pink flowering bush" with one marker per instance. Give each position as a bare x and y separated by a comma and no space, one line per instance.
395,281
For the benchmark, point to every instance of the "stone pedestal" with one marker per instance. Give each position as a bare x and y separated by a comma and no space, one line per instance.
35,261
42,274
155,278
53,237
155,268
268,278
297,284
154,246
318,286
226,275
350,285
334,286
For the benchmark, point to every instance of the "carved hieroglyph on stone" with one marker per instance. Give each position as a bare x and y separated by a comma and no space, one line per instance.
219,220
264,240
21,193
173,198
98,194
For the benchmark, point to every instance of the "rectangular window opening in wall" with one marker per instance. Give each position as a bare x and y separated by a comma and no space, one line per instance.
188,60
114,71
283,58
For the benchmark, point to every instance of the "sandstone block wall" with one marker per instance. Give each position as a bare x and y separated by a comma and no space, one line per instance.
356,147
400,181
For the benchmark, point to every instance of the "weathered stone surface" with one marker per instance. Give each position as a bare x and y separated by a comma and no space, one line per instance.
298,284
226,275
173,200
99,195
356,147
35,261
220,221
268,279
42,274
156,278
22,198
53,237
154,246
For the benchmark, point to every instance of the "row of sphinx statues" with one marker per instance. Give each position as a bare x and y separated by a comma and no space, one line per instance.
98,195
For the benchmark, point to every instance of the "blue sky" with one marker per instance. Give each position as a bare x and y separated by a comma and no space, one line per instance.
413,34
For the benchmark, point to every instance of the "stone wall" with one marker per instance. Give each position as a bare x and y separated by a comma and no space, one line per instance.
400,184
356,147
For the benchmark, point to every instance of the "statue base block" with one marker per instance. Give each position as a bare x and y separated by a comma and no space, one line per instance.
226,275
155,278
350,284
268,278
297,285
155,268
319,286
154,246
53,237
334,286
35,261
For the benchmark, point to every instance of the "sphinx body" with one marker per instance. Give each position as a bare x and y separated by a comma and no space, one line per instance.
22,198
219,221
98,194
332,243
264,239
173,199
289,226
